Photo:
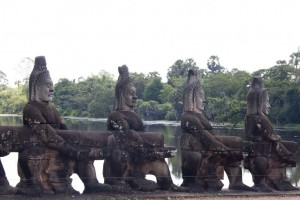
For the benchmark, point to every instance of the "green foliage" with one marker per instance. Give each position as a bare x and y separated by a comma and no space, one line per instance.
226,84
282,82
180,69
295,59
213,64
148,110
291,106
13,100
166,93
140,81
152,110
225,92
152,90
166,111
3,81
93,97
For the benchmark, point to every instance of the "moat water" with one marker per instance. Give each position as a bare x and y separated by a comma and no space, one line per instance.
171,131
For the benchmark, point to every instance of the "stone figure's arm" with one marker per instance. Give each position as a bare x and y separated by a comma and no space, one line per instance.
272,137
267,130
118,123
202,133
35,119
46,133
134,137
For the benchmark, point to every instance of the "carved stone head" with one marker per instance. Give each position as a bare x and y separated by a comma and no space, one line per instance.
193,94
257,98
40,82
39,66
125,91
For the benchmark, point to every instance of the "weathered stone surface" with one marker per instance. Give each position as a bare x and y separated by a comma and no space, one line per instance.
205,155
138,153
268,155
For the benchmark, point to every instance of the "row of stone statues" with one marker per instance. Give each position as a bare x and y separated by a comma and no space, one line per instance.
49,153
205,155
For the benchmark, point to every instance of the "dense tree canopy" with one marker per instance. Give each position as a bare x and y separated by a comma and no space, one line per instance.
3,81
91,97
213,64
225,92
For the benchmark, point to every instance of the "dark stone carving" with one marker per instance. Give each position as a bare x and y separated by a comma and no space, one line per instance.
40,161
47,167
5,188
268,155
138,153
205,155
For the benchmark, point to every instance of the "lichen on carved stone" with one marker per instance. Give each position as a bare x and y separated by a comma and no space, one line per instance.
59,154
264,143
143,154
204,154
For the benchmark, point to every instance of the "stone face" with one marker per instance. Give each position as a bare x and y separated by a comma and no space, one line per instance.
205,155
139,153
268,155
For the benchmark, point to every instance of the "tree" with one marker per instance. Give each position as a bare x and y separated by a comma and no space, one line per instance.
166,93
281,62
282,84
13,100
64,93
91,97
225,84
3,81
148,110
291,106
295,58
152,90
140,82
180,69
225,95
213,64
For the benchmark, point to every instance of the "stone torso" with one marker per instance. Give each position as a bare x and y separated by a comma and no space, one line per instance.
124,120
42,113
192,121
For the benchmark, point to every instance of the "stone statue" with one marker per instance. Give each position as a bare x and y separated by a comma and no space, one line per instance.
204,154
268,155
139,152
56,158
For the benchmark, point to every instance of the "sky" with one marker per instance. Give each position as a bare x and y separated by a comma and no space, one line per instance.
82,37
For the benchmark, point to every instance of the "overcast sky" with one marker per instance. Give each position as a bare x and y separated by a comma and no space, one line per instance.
83,37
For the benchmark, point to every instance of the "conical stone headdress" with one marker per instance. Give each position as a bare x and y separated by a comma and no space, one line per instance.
38,73
191,86
123,82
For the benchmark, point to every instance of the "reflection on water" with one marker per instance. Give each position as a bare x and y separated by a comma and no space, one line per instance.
172,132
